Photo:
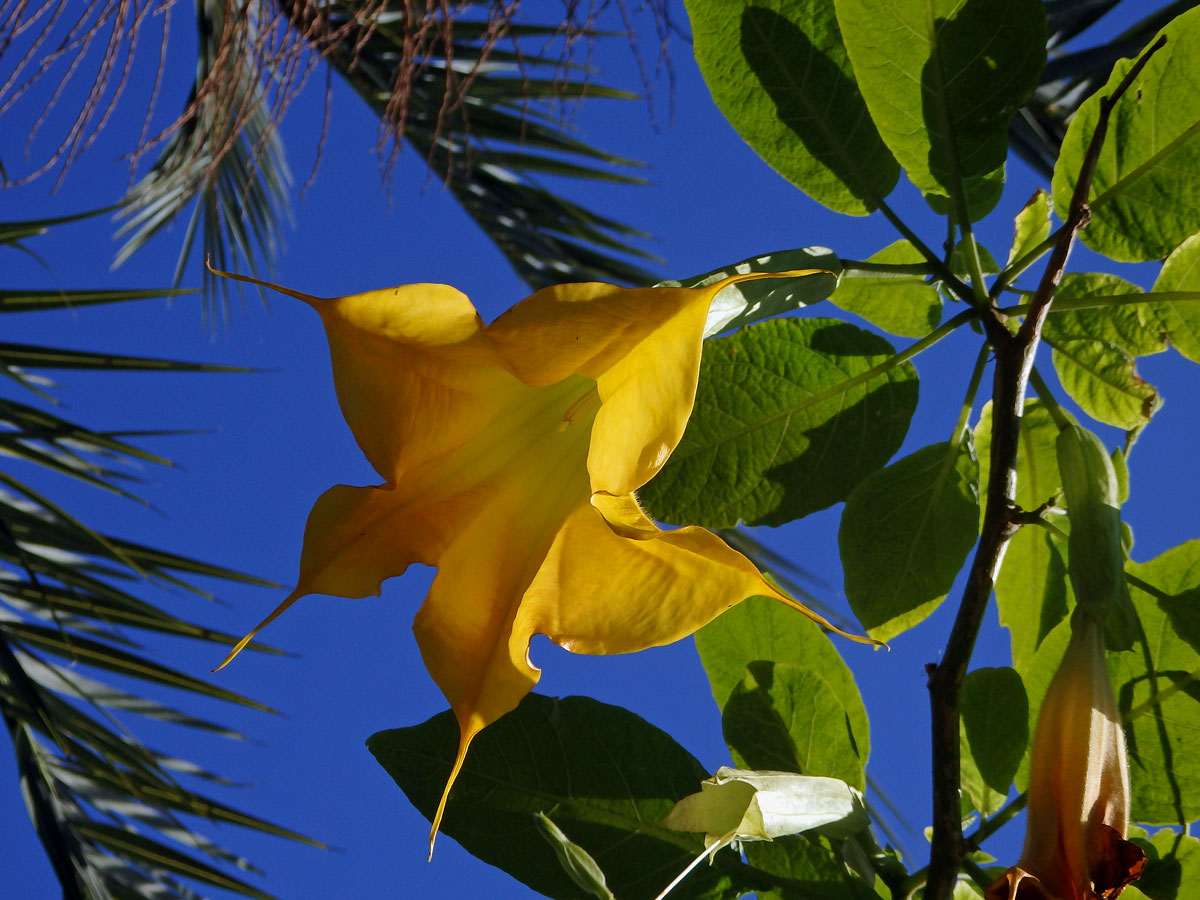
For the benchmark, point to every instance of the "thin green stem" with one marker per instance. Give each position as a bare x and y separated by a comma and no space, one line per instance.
986,829
977,874
1060,416
978,287
994,823
943,271
900,270
1014,269
964,415
1108,300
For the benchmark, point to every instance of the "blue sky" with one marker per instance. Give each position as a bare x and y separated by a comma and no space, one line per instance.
272,441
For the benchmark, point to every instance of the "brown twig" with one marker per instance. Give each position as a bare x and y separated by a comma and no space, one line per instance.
1014,359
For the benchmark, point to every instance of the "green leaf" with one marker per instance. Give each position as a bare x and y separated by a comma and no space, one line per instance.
790,415
982,193
1033,593
740,304
995,723
976,793
1102,378
813,864
923,67
1121,324
782,79
961,267
584,764
1032,588
1172,865
784,717
905,534
1157,691
1031,226
1145,195
907,305
1179,319
762,630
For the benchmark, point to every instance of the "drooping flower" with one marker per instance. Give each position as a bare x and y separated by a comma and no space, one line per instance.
745,805
509,455
1075,847
738,805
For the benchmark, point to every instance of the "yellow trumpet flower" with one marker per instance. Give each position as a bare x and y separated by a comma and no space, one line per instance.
1075,847
509,455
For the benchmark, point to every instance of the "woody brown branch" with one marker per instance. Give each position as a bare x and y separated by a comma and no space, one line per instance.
1014,355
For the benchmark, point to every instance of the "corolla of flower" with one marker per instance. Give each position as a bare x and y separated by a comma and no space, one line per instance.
1075,847
509,455
738,805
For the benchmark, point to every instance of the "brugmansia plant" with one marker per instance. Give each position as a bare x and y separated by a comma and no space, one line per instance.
582,466
791,415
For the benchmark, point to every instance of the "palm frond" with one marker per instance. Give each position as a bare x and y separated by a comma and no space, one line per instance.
455,81
108,809
466,97
224,158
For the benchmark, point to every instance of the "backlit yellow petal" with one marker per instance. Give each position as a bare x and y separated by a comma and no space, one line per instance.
509,455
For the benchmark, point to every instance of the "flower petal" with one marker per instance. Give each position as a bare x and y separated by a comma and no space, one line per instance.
641,345
407,357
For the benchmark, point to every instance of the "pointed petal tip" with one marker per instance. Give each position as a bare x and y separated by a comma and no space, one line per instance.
464,743
280,289
275,613
825,623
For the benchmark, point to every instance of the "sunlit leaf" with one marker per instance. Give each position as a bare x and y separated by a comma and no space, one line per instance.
756,634
1102,378
1179,319
1031,226
789,417
1145,195
1157,692
785,717
923,68
1119,324
1172,864
907,305
751,301
905,533
782,78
